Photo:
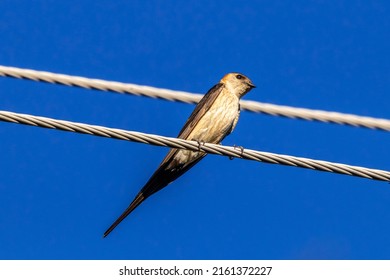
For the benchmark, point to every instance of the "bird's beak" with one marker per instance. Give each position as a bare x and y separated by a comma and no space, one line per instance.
251,85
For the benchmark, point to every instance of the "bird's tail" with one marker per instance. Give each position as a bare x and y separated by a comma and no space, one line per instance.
160,179
136,202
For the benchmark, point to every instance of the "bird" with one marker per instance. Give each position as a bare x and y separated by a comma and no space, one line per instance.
214,117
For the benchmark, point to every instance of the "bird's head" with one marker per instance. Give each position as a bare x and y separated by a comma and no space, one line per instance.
237,83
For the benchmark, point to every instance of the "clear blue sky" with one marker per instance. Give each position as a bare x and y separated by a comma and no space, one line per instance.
59,191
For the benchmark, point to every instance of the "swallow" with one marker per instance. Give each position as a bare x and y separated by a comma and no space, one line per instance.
214,117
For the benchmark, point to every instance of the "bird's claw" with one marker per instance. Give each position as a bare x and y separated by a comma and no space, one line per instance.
200,143
241,151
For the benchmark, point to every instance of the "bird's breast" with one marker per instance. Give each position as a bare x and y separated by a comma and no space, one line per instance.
214,125
217,121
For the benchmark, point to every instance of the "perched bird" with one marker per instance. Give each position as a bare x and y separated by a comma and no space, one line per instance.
214,118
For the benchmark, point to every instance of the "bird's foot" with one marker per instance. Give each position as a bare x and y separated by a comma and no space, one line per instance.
241,148
200,143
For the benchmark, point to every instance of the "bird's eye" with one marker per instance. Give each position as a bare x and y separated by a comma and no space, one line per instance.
239,77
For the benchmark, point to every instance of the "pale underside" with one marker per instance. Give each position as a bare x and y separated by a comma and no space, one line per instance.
214,126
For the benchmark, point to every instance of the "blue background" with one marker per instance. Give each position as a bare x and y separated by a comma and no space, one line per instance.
60,191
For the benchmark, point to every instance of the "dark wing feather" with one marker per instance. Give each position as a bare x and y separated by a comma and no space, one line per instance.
201,108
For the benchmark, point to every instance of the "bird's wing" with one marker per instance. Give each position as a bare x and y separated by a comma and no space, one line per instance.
165,169
201,108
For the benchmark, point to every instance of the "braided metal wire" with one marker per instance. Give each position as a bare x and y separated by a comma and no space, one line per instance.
253,106
157,140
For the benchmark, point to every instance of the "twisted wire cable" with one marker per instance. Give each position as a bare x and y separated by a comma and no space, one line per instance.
253,106
157,140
